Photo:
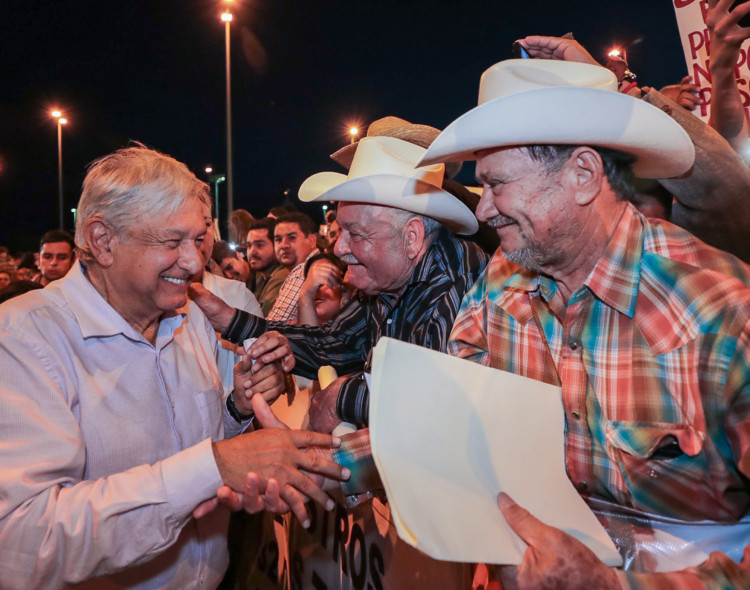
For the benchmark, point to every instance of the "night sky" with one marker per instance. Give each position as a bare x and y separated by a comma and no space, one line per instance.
302,72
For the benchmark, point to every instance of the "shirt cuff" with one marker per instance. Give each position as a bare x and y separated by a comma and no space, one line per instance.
242,326
353,403
190,477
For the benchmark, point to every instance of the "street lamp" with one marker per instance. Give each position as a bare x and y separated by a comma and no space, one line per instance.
215,179
354,132
226,17
57,114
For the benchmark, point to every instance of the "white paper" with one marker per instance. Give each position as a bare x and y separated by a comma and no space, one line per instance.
448,435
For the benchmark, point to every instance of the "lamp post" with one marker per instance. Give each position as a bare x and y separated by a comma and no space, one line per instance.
226,16
353,132
57,114
215,179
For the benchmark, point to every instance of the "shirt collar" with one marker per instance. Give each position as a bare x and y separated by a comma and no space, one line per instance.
96,317
617,273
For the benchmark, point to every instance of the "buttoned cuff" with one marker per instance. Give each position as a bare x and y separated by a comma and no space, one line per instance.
353,403
190,477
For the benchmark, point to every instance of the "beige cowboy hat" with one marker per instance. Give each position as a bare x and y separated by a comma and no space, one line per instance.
383,172
548,102
421,135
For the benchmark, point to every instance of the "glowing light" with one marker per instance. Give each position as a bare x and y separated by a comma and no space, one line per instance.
354,131
56,114
62,120
209,169
226,16
614,53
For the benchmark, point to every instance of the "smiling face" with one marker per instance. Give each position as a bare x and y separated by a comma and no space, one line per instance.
291,244
150,270
528,207
235,268
260,253
327,300
372,243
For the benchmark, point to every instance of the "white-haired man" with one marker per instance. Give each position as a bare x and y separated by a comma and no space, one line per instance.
113,422
644,327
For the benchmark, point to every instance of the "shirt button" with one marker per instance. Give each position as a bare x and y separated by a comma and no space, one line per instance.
576,415
573,344
582,486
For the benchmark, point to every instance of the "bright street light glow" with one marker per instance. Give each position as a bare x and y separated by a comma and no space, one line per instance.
354,131
63,120
56,114
209,169
226,16
614,53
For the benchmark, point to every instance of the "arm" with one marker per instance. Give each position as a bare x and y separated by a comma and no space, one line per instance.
726,37
561,48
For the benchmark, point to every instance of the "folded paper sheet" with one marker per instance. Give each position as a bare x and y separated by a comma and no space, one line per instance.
448,435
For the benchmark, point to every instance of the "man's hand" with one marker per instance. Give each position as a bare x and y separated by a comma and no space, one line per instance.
726,34
249,380
686,94
323,417
553,558
273,346
216,310
278,454
557,48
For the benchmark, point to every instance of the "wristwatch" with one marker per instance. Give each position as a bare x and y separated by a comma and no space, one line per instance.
234,412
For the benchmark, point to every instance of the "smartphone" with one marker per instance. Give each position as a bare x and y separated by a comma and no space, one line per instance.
745,20
519,52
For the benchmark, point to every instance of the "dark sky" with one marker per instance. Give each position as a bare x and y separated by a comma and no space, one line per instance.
153,71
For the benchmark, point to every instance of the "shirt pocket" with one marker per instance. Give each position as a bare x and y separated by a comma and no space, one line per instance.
664,467
210,408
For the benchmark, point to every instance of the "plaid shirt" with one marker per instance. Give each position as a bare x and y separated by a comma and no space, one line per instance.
652,355
285,307
422,315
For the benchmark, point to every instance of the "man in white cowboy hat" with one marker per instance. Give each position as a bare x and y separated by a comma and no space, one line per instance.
411,272
644,327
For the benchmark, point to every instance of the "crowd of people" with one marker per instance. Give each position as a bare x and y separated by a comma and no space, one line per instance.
157,379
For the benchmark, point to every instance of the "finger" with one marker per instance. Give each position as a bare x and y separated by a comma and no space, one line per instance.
306,488
315,463
270,344
310,438
273,500
521,520
244,366
264,414
205,508
253,500
229,498
296,503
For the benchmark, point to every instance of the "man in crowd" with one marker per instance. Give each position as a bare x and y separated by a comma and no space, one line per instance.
113,426
294,236
644,327
230,262
56,256
269,274
411,273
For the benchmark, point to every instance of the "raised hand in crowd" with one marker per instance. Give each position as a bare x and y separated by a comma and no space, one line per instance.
322,273
561,48
726,38
686,93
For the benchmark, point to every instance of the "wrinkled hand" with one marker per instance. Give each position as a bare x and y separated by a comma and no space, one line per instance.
273,346
216,310
323,416
279,454
557,48
321,273
266,380
251,499
686,94
553,558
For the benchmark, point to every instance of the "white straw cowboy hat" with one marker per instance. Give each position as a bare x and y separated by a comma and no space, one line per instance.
383,172
548,102
421,135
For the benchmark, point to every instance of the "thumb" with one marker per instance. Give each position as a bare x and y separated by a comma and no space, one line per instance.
526,526
264,414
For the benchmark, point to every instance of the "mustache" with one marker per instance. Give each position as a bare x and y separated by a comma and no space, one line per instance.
349,259
500,221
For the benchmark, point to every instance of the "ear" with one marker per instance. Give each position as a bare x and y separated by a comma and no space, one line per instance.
587,174
414,235
101,241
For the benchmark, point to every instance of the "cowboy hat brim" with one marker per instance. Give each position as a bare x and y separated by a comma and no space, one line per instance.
570,115
390,190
